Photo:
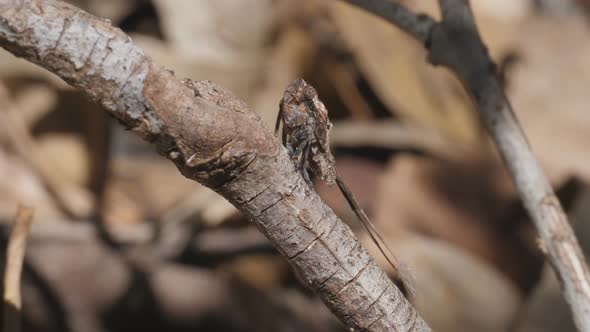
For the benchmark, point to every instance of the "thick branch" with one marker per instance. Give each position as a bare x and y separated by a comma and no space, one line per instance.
455,44
213,138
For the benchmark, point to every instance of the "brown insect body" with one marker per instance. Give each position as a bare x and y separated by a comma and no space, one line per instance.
306,130
306,133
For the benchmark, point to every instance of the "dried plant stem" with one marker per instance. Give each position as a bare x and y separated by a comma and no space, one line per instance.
455,43
15,255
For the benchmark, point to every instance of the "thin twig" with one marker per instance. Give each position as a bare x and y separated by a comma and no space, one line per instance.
455,44
13,270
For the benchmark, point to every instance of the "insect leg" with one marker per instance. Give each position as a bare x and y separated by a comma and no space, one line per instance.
278,123
285,135
305,153
296,145
288,144
300,156
303,162
300,138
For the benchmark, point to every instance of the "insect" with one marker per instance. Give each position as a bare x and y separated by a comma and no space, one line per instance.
306,135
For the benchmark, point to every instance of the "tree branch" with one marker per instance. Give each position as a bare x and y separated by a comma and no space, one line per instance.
213,138
455,44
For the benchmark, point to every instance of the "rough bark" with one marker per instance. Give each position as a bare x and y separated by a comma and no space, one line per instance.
455,43
213,138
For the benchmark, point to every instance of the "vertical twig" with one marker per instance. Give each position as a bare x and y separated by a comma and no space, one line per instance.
13,269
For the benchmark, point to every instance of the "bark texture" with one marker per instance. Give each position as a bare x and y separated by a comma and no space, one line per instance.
213,138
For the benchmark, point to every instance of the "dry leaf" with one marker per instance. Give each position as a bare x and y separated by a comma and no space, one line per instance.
19,184
464,204
224,41
549,91
143,187
457,291
395,66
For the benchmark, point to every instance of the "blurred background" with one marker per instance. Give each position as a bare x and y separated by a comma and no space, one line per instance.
122,242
